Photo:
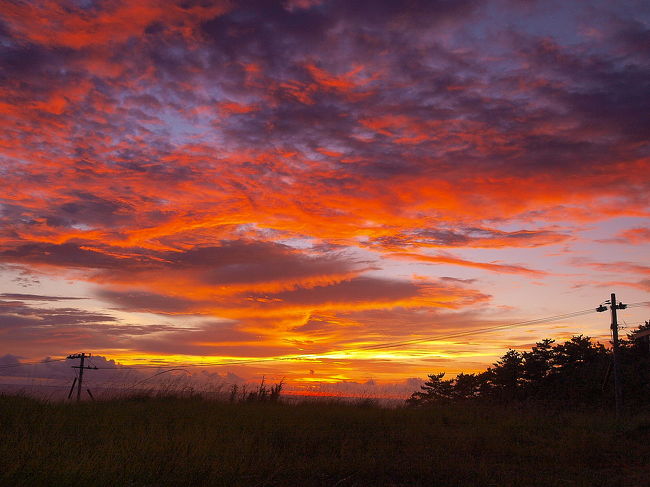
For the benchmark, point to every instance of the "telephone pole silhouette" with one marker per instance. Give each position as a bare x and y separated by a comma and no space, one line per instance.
618,386
81,367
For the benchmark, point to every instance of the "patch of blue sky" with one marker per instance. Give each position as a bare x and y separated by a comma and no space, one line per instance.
182,130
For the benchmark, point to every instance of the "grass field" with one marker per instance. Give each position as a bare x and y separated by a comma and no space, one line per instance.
192,441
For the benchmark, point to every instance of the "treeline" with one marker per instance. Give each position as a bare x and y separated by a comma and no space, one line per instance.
576,372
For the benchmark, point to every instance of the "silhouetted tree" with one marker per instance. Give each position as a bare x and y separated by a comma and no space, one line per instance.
537,367
434,390
577,351
467,386
538,363
573,372
635,360
506,375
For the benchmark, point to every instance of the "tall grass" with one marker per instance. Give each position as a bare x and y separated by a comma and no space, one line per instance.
152,441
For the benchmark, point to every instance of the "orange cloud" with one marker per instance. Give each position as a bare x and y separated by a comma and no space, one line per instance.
636,236
52,23
448,259
231,108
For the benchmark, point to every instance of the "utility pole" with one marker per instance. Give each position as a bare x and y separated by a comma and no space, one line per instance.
618,386
81,367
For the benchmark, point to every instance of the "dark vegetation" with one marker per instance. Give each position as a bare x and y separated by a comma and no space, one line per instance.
534,419
192,441
263,393
577,373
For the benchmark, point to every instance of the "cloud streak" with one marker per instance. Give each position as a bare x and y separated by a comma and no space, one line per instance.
449,259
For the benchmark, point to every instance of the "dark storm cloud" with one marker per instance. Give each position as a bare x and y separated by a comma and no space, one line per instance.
91,210
469,237
241,262
234,262
609,92
252,26
63,255
634,38
359,290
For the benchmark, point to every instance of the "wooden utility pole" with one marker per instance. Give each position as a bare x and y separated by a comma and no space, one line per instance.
81,367
618,393
618,386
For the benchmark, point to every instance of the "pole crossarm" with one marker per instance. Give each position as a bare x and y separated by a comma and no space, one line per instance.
78,355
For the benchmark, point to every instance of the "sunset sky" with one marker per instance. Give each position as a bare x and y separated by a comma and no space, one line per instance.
195,181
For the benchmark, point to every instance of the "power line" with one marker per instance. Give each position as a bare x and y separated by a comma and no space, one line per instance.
157,374
477,331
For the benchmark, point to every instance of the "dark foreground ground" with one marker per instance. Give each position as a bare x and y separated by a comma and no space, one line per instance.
186,441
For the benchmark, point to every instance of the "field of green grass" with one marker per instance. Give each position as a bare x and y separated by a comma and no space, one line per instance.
192,441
